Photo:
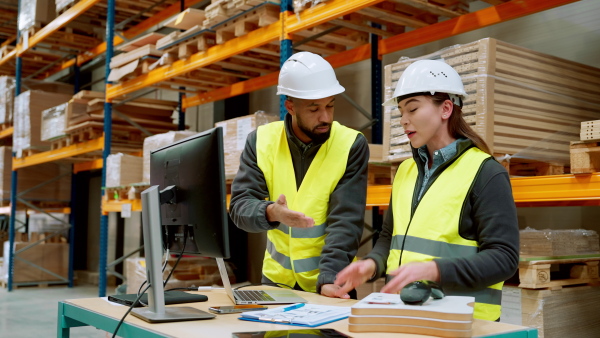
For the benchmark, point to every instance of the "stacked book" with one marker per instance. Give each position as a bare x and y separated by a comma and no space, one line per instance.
451,316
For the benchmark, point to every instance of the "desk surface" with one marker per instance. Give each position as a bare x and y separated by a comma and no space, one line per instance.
105,315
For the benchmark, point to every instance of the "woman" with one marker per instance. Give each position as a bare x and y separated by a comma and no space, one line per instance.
452,217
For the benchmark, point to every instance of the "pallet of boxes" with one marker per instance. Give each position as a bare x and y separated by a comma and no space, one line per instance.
235,132
526,105
559,286
585,153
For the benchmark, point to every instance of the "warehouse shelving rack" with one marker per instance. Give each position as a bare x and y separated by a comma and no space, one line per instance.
569,189
99,147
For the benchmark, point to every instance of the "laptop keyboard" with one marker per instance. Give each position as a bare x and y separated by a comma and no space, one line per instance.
253,295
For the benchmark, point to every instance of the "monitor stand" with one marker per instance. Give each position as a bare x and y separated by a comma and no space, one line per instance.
156,312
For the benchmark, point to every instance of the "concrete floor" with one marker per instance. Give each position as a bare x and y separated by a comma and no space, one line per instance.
28,312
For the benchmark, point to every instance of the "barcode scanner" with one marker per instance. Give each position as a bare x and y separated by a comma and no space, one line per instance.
417,293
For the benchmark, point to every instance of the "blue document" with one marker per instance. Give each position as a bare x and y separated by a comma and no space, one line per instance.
300,314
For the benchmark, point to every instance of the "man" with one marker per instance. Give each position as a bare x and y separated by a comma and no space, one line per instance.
304,181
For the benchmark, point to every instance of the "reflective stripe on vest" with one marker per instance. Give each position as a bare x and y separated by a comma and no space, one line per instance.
433,229
293,254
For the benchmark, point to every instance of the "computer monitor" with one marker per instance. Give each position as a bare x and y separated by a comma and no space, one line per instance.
187,197
195,167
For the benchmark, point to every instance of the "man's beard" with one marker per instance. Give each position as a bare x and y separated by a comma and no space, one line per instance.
316,137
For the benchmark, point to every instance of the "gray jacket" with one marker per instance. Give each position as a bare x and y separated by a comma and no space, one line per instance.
345,220
488,216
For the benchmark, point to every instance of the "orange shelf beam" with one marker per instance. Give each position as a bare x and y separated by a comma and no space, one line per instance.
321,14
557,190
468,22
59,154
235,89
338,60
62,20
7,132
87,166
117,206
131,33
214,54
314,16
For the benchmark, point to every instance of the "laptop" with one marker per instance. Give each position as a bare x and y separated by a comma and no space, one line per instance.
283,296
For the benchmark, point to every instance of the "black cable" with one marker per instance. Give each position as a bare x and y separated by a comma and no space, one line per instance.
129,310
185,238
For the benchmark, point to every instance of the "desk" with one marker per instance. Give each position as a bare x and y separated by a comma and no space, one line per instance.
105,315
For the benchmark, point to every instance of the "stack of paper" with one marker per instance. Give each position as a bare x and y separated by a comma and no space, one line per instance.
299,314
451,316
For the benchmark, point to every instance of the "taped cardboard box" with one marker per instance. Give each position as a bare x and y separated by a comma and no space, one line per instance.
235,132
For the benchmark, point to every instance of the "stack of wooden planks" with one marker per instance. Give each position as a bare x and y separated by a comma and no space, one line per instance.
153,116
521,102
565,312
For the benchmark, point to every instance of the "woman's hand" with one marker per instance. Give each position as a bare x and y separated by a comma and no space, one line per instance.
354,275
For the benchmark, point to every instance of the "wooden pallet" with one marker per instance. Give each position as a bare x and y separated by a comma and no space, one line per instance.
41,284
585,157
513,97
128,192
245,22
535,273
527,167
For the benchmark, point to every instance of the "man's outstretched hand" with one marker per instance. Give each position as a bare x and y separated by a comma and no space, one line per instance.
279,212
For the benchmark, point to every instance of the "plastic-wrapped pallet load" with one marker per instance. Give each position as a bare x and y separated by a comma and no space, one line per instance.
123,170
29,177
28,109
158,141
56,119
7,98
235,132
521,102
32,12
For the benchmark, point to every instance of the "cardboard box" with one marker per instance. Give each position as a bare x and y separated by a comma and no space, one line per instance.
520,102
28,109
123,170
53,257
235,132
29,177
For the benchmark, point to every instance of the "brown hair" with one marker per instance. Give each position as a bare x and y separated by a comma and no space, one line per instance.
457,126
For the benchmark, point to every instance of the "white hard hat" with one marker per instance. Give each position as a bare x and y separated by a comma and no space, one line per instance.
432,76
308,76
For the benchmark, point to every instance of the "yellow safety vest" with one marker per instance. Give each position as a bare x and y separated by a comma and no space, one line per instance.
433,230
293,254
